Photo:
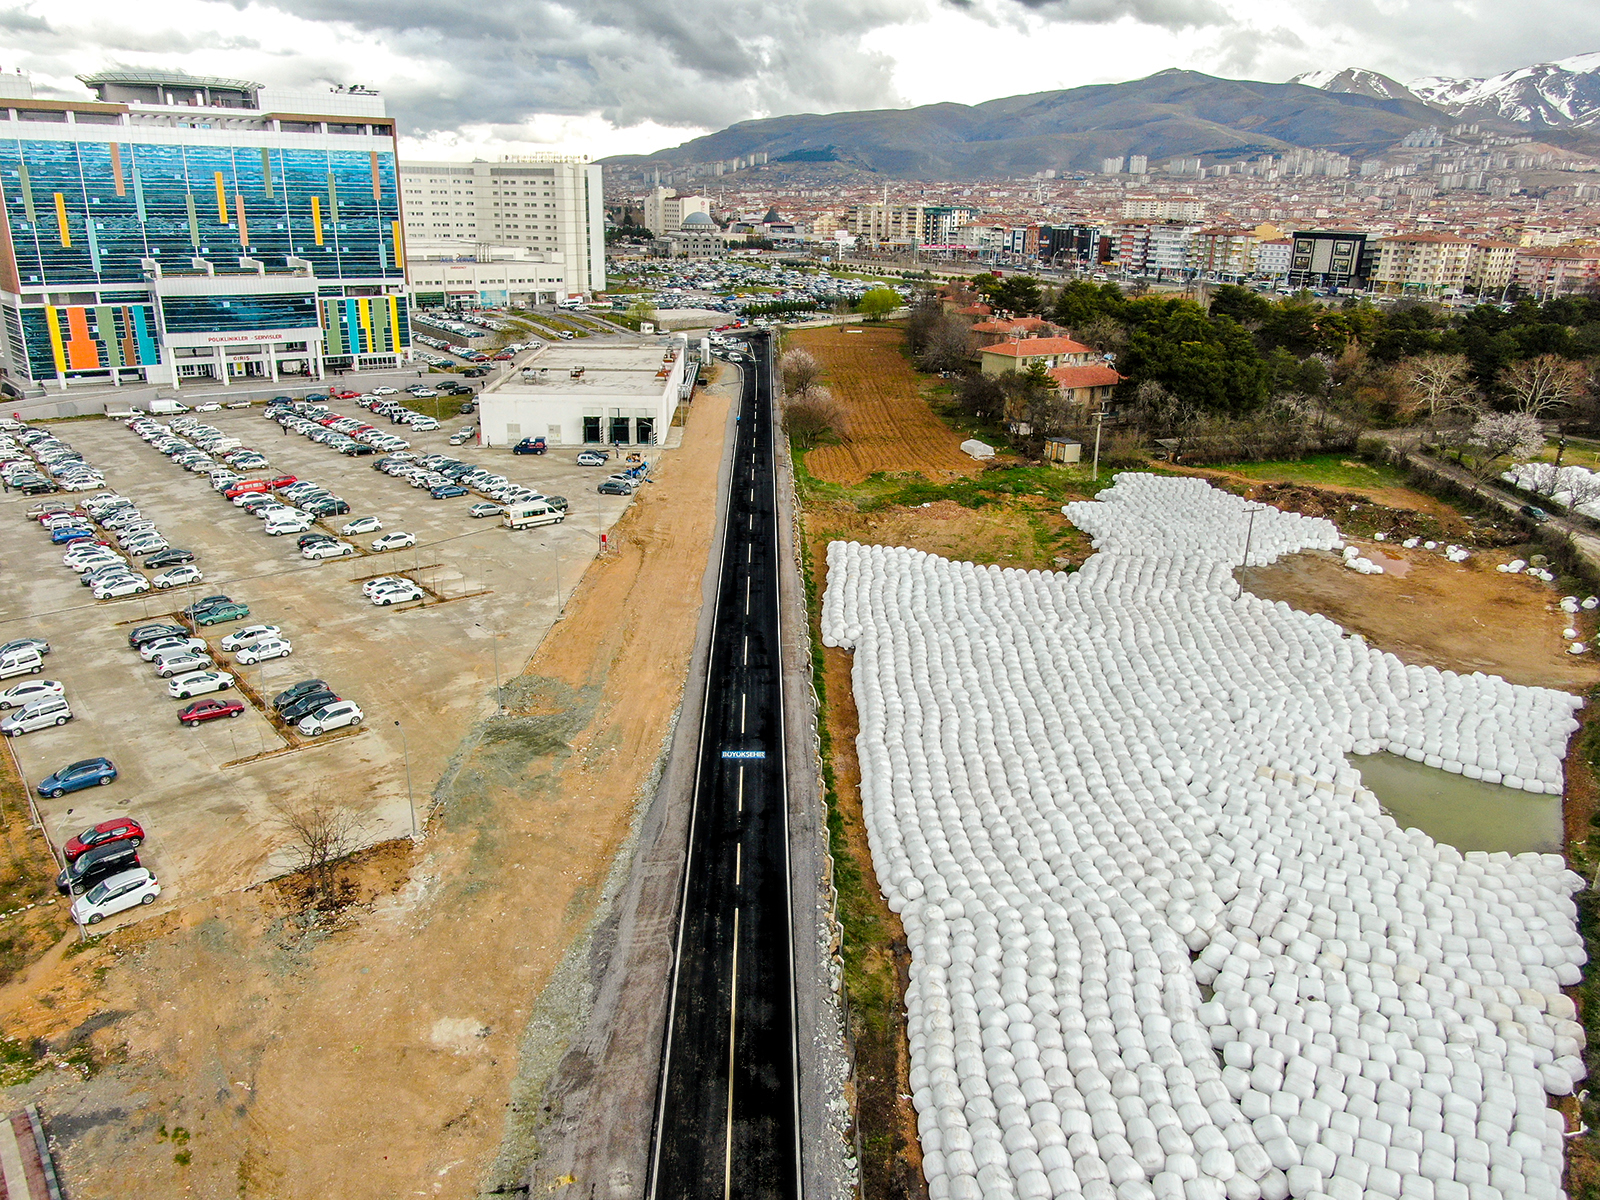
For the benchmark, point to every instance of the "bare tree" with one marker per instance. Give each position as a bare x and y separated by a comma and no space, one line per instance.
1505,435
1436,383
800,371
1538,385
1581,487
1106,334
813,417
947,345
321,832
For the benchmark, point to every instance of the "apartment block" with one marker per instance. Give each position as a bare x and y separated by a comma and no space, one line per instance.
665,210
1221,251
1544,271
548,206
1429,264
184,229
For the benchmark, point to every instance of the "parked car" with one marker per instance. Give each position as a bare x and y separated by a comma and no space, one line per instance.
119,892
40,714
206,602
140,634
28,691
250,633
592,458
330,717
484,509
448,491
306,704
305,687
198,683
117,829
208,710
361,525
260,651
398,594
172,557
38,645
615,487
90,867
115,589
74,777
530,445
170,647
394,541
178,576
233,610
182,664
321,550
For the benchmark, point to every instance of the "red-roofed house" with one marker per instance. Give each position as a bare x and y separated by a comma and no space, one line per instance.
1022,353
1088,387
1001,329
976,311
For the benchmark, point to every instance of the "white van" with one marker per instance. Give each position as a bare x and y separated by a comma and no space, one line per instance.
24,660
41,714
530,513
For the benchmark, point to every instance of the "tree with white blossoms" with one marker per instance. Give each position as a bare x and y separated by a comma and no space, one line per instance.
1515,435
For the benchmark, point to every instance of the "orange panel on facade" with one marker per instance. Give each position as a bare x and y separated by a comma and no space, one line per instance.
83,353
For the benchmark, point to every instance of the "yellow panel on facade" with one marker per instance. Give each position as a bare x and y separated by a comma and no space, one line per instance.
53,322
316,218
222,198
61,219
364,307
399,245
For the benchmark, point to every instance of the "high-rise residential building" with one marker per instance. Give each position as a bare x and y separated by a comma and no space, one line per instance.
547,209
664,210
179,229
1422,263
1138,164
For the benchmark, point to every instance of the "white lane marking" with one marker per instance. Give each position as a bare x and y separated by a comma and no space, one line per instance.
746,650
747,597
733,1022
741,787
738,864
749,548
743,697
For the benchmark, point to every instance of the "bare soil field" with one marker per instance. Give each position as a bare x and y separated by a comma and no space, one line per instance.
891,427
232,1047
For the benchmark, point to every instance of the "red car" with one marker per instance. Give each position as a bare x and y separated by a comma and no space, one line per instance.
504,356
246,485
282,481
343,394
208,710
118,829
326,421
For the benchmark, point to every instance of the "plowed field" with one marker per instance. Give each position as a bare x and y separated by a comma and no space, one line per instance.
891,426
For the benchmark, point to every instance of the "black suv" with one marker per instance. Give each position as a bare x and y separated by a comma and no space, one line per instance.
306,704
94,864
143,635
303,688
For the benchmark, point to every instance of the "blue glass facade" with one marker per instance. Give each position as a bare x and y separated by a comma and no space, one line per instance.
238,314
84,214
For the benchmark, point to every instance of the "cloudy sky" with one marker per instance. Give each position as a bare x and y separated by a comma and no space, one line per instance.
618,76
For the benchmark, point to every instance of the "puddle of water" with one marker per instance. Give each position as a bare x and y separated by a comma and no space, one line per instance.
1465,813
1398,567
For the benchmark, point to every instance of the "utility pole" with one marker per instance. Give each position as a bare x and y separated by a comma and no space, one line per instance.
1099,422
411,803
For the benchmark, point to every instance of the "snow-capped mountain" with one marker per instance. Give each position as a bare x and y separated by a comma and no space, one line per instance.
1563,94
1358,81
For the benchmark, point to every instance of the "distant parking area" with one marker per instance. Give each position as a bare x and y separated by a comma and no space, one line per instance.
204,794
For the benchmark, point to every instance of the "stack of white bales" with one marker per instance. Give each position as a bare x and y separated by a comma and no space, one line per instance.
1073,782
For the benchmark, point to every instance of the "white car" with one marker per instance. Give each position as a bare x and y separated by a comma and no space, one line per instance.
394,541
178,576
24,694
330,716
41,714
127,585
198,683
171,647
255,652
327,550
396,595
90,561
361,525
211,407
122,891
250,633
183,664
372,586
384,391
149,546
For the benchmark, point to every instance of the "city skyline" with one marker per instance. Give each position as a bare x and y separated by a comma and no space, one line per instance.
609,78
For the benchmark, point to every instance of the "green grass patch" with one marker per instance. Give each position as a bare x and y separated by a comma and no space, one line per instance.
1322,470
18,1062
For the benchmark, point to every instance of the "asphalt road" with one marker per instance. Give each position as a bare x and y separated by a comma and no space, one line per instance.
728,1120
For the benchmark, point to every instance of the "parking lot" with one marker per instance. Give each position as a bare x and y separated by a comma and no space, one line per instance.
422,673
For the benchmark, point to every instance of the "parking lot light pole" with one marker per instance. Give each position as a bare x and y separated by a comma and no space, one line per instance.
405,752
499,696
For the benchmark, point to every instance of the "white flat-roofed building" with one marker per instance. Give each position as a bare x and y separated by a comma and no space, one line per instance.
583,395
445,273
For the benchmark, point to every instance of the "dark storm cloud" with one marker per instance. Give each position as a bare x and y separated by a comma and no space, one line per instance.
631,60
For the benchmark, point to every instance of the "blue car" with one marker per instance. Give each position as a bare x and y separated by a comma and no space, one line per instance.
448,491
73,533
91,772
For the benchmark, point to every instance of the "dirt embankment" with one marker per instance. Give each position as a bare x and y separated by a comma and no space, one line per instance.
238,1052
